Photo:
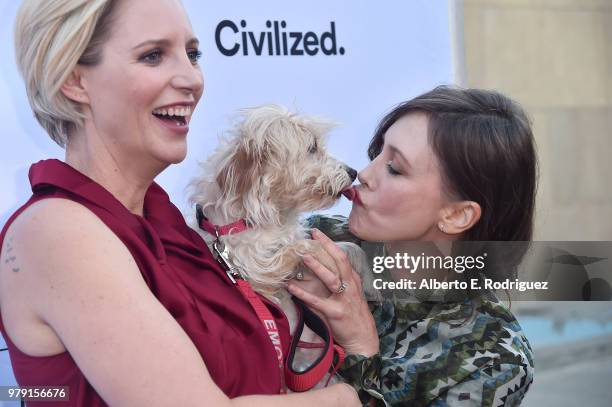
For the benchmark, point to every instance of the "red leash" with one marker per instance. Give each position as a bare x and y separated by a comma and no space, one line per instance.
333,356
267,320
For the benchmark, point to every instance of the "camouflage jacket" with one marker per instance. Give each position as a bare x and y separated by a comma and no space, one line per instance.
467,353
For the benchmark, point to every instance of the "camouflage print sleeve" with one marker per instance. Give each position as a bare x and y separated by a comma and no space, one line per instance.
334,226
467,353
430,355
363,374
502,385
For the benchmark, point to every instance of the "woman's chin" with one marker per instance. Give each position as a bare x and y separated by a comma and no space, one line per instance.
178,159
173,155
355,226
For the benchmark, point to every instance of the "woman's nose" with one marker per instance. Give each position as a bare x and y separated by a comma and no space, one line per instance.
189,78
365,176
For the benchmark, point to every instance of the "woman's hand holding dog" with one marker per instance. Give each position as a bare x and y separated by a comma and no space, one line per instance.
345,309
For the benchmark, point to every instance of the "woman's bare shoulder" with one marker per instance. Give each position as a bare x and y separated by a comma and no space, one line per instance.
60,229
55,241
46,238
81,280
50,230
49,213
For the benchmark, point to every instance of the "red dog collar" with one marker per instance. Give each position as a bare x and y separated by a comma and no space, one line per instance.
235,227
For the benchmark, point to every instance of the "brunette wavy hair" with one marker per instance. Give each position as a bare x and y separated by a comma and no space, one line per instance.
486,150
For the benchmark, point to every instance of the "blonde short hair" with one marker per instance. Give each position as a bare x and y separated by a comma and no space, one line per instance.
51,38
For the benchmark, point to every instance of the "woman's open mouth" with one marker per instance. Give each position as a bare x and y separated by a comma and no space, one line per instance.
176,119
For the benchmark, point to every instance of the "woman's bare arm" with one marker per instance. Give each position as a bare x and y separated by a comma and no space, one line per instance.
84,283
336,395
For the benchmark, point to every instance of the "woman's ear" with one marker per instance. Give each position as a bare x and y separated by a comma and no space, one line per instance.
73,87
457,217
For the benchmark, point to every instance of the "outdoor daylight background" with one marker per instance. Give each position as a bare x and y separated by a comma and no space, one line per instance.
555,58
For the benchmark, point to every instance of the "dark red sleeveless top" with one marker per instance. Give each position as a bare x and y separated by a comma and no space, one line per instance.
181,272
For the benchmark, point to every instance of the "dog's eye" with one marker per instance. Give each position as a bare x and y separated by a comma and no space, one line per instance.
313,148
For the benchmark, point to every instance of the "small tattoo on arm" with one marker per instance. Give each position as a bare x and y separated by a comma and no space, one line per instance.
8,258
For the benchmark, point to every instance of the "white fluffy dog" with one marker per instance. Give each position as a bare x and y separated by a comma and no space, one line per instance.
273,167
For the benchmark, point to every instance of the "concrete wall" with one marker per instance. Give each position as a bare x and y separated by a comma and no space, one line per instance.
555,58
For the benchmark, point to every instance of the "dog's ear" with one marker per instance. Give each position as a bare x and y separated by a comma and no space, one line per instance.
244,185
234,177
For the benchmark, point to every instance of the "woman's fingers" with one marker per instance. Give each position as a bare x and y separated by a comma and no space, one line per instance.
346,309
331,280
357,280
313,285
323,305
340,258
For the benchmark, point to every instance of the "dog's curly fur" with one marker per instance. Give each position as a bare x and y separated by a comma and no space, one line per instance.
271,168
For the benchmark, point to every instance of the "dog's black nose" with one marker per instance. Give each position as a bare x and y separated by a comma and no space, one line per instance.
351,172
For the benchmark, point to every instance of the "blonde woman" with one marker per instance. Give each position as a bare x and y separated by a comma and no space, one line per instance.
103,287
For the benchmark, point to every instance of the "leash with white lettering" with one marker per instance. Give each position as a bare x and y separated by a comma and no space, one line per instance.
333,355
263,313
266,318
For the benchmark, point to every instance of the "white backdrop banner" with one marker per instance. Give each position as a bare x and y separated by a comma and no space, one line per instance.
348,61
